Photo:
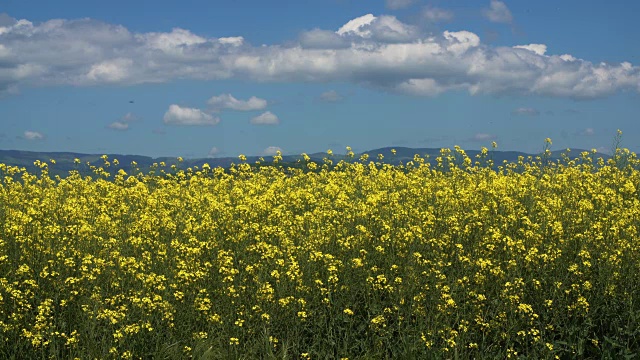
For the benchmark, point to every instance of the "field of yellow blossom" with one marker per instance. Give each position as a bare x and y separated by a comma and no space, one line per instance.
352,259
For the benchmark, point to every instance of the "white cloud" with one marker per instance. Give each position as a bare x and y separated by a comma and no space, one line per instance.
175,42
4,51
390,29
233,41
479,137
227,101
498,12
110,70
119,125
177,115
33,135
266,118
539,49
461,41
526,111
271,151
378,52
214,152
129,117
384,29
434,14
398,4
331,96
123,123
588,132
356,26
421,87
322,39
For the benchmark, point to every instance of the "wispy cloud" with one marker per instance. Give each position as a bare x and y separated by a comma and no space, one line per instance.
227,101
331,96
526,111
33,135
381,52
214,152
129,117
398,4
435,14
177,115
498,12
587,132
266,118
481,137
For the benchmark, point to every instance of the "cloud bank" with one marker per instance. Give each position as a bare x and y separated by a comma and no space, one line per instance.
374,51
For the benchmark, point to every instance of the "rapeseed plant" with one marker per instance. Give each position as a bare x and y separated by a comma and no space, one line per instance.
357,259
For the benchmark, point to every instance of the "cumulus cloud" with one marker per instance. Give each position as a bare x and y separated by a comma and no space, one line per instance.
421,87
33,135
383,29
266,118
129,117
356,26
177,115
119,125
322,39
331,96
398,4
498,12
271,151
123,123
538,49
390,29
110,71
435,14
380,52
526,111
227,101
233,41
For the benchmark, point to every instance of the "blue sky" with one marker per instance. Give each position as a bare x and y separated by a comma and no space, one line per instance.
211,78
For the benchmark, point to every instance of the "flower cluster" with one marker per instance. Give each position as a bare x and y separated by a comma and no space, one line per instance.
357,259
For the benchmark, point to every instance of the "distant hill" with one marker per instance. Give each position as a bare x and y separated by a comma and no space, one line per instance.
65,160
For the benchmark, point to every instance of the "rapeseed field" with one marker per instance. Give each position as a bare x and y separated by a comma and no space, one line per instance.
347,259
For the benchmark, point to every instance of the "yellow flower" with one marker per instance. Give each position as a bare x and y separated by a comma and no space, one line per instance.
348,311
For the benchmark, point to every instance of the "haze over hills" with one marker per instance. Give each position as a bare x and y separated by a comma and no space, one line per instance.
65,160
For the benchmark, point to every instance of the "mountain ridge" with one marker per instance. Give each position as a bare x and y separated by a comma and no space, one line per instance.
65,159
